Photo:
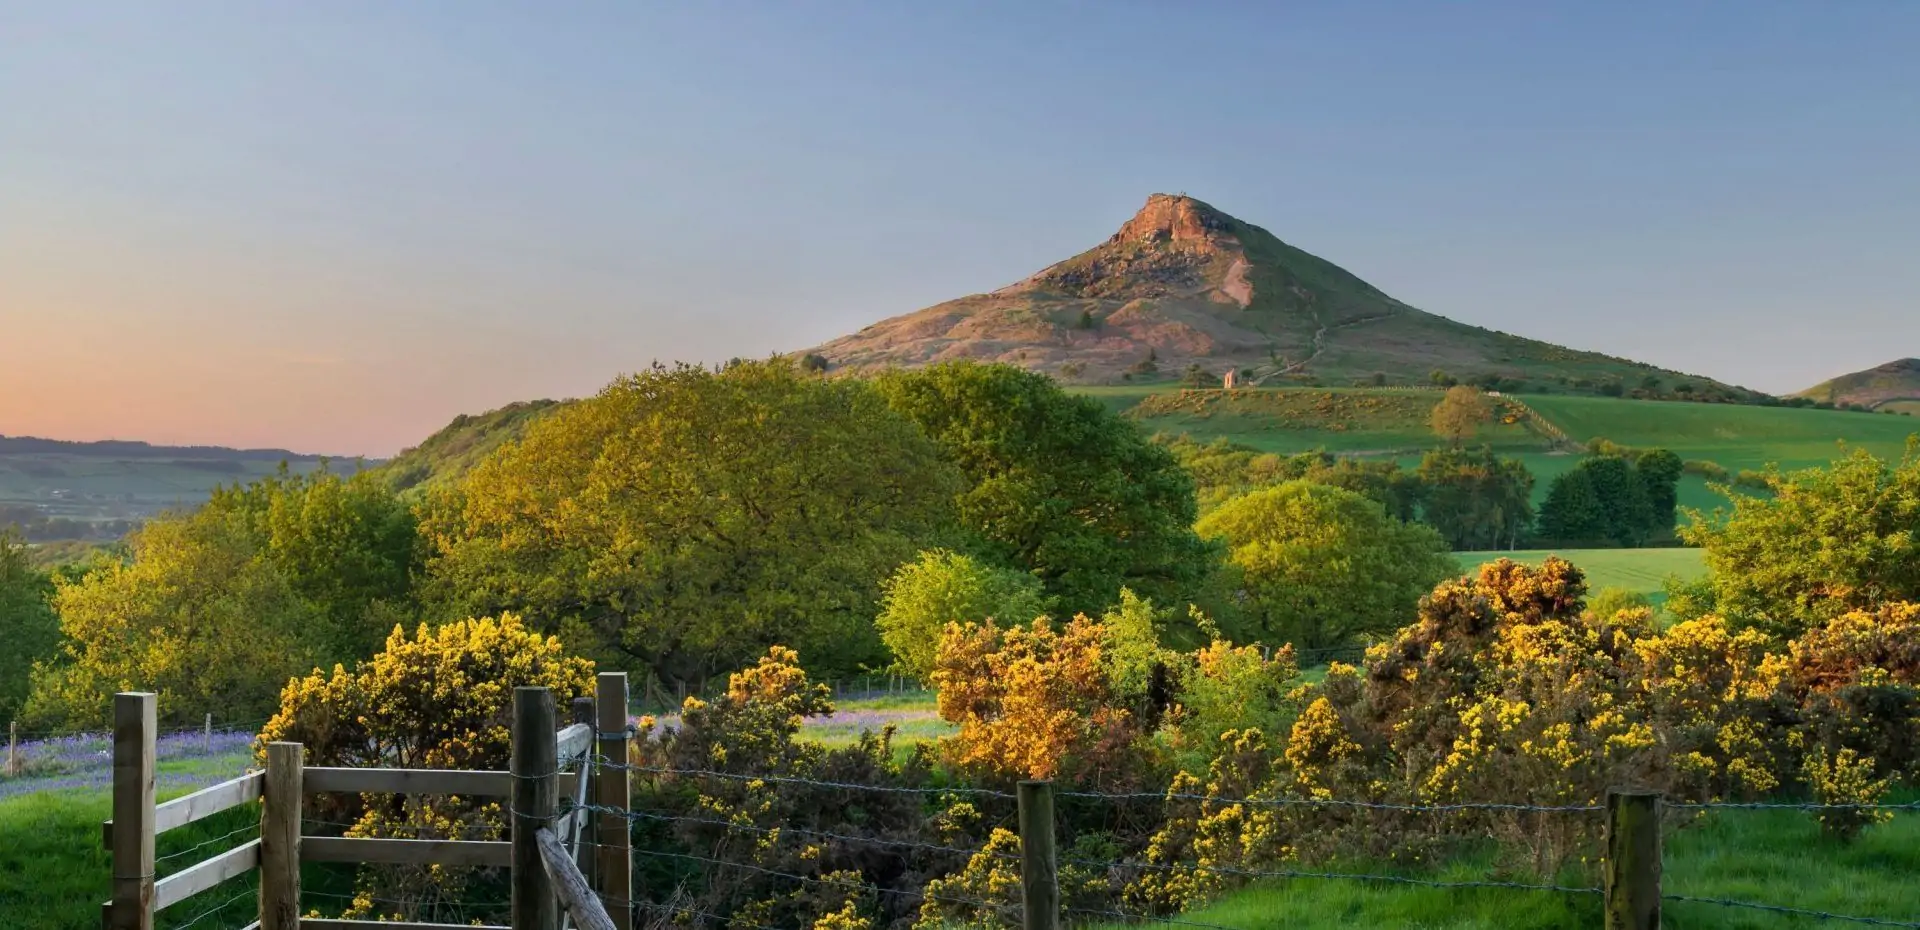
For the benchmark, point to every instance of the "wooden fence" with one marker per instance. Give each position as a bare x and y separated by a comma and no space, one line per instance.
546,858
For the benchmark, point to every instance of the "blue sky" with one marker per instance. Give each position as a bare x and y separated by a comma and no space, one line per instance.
334,226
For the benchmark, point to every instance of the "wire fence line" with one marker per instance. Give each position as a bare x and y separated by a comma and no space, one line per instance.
1791,911
634,817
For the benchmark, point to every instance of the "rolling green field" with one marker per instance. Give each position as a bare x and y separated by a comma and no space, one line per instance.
1364,421
1641,570
1735,436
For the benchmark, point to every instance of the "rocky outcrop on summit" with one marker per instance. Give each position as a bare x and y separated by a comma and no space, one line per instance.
1182,284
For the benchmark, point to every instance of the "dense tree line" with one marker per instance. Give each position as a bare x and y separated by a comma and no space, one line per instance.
1613,500
686,520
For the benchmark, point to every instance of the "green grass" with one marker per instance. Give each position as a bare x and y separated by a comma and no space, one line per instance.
54,873
1290,420
1641,570
1767,857
1737,437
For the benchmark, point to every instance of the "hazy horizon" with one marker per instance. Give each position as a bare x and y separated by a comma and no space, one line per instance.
332,229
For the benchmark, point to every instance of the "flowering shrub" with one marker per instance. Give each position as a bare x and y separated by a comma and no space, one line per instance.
442,699
1035,702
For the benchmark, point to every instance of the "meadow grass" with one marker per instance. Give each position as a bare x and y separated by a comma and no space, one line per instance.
1735,436
1773,857
1641,570
54,873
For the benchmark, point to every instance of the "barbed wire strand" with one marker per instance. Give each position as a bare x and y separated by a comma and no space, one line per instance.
249,828
1332,802
633,816
1791,911
1149,918
203,915
1787,806
809,782
815,880
1345,876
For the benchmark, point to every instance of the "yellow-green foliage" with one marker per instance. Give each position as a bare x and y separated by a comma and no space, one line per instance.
686,519
195,615
1321,565
943,587
441,699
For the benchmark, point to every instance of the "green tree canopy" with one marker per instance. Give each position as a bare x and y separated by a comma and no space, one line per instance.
1613,500
1058,485
943,587
1829,540
685,520
215,608
195,615
29,632
1322,565
1476,500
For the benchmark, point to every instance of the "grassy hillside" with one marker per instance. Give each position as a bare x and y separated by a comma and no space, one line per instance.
462,444
1878,387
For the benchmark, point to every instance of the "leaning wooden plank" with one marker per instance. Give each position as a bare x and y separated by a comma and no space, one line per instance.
328,923
403,852
186,883
410,781
573,741
580,902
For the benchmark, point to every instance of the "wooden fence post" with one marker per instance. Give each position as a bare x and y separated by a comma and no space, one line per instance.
13,747
1632,880
133,763
536,800
1039,882
281,805
206,738
612,856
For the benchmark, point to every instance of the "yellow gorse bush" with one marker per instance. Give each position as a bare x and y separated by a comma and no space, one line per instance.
440,699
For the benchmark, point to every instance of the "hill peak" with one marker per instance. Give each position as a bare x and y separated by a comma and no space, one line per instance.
1895,382
1174,218
1182,289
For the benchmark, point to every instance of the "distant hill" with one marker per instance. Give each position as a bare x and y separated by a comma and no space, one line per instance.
54,490
449,454
1184,284
1895,384
128,449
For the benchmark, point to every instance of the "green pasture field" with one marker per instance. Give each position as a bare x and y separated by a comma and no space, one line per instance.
1735,436
54,872
1642,570
1767,857
1284,420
